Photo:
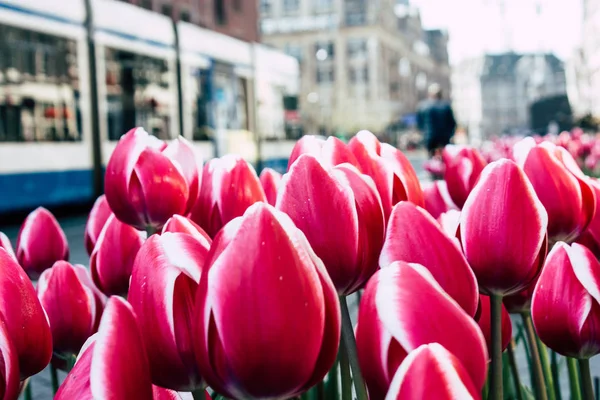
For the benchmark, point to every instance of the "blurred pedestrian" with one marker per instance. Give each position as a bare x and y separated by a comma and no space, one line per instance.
435,120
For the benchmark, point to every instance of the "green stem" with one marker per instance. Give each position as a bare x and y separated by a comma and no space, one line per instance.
321,391
597,388
331,387
496,392
514,369
350,344
546,369
28,395
573,379
150,230
345,373
200,394
556,375
538,374
586,377
54,378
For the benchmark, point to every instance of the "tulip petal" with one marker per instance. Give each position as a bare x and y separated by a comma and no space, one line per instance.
269,179
95,222
160,393
404,170
9,365
437,199
414,236
450,221
6,245
463,165
184,153
177,223
77,383
330,152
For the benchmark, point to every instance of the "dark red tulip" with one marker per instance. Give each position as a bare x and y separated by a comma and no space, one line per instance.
73,305
566,302
238,325
26,322
112,364
269,179
144,184
414,236
437,198
112,259
229,187
180,224
330,152
165,277
503,230
41,242
485,319
463,165
432,372
6,245
95,222
339,211
395,318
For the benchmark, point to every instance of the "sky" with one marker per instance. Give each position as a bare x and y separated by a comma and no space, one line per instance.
477,26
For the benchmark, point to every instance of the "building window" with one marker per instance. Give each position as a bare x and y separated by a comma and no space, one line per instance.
220,15
325,74
291,6
356,48
237,5
359,75
323,5
324,51
184,16
265,8
167,10
356,12
147,4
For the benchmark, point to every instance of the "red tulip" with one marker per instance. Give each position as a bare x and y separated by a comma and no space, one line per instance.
561,187
165,277
414,236
340,213
9,368
566,302
437,198
503,230
112,364
112,259
519,302
41,242
432,372
25,319
229,187
269,179
261,271
591,237
394,177
96,220
189,160
450,221
463,165
485,320
180,224
73,305
6,245
144,186
330,152
395,318
160,393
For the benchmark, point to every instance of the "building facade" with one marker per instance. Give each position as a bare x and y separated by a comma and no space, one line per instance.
493,94
364,64
587,78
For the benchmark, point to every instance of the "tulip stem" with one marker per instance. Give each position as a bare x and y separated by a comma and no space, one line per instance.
514,369
54,378
200,394
496,392
350,344
538,374
345,373
555,376
150,230
28,395
573,379
546,368
586,377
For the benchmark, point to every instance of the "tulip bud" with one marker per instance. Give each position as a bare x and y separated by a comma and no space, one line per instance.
503,230
112,259
144,186
340,213
180,224
395,318
96,220
414,236
112,364
269,179
432,372
229,187
190,162
561,187
330,152
165,277
484,320
463,165
6,245
41,242
26,322
73,305
259,272
566,302
437,198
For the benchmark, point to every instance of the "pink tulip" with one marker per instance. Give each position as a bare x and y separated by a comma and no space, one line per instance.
450,221
484,320
330,152
112,259
395,318
394,177
72,303
146,181
432,372
180,224
9,368
41,242
566,302
6,245
26,322
503,230
165,277
414,236
112,364
95,222
259,273
340,213
190,162
591,236
229,187
269,179
463,165
437,198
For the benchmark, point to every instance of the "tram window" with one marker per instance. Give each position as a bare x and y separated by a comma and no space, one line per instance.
39,87
137,94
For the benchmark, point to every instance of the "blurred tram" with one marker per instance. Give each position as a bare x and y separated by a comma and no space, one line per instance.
171,78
